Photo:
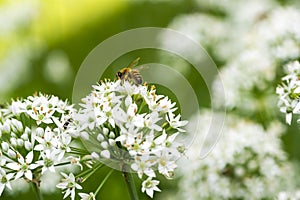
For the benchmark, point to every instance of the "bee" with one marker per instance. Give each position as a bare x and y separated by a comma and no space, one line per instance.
131,75
67,123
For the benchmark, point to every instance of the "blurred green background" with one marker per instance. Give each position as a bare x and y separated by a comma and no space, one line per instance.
64,32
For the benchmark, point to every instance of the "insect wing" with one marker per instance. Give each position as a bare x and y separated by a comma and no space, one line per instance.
134,63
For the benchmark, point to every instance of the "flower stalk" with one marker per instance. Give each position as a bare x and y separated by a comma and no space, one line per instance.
37,191
104,180
130,183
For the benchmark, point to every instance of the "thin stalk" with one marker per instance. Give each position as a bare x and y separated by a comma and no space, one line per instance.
87,173
78,151
130,183
104,180
93,171
141,106
37,191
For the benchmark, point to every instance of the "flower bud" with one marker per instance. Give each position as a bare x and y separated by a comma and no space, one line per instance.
104,145
181,149
6,127
5,146
24,136
11,154
20,142
39,132
112,134
105,154
95,156
18,127
13,142
100,137
239,171
28,145
27,131
105,131
111,142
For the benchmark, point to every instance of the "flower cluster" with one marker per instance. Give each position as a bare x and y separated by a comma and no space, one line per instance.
247,163
34,138
271,39
289,91
284,195
130,125
250,42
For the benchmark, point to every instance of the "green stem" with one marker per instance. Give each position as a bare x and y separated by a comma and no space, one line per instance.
87,173
130,183
62,164
79,151
141,106
92,172
104,180
37,191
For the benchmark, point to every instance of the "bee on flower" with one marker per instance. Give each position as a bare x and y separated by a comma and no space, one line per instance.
131,126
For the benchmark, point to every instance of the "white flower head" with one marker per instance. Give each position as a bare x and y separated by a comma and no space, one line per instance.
248,162
129,118
36,137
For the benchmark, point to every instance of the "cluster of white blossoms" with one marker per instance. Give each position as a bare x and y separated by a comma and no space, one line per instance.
280,33
195,27
133,127
34,138
294,195
250,41
289,91
247,163
273,39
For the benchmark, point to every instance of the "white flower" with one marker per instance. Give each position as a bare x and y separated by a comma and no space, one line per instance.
292,68
69,185
289,91
150,186
151,121
64,143
85,196
75,161
23,166
47,141
143,165
5,180
49,159
175,122
166,166
17,107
